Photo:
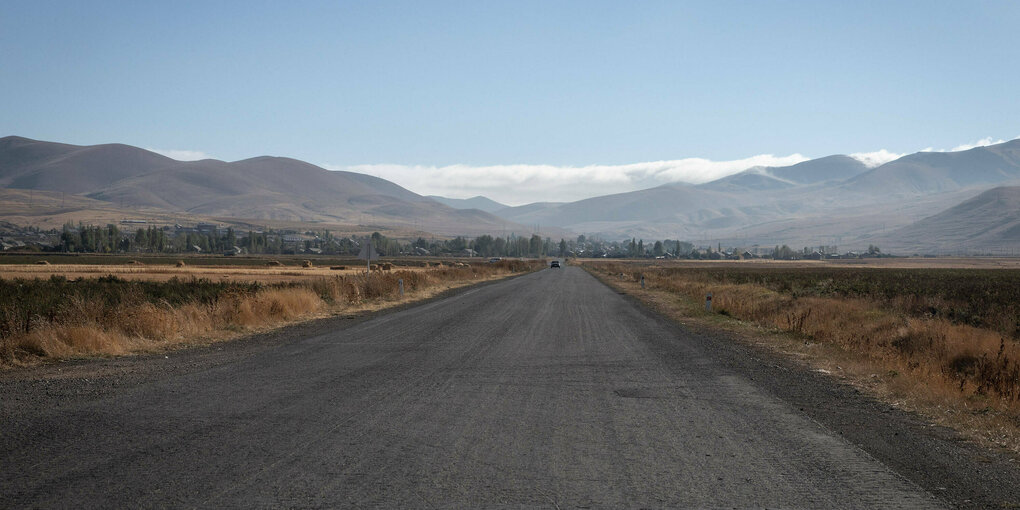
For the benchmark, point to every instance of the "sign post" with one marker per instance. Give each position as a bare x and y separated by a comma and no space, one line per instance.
368,254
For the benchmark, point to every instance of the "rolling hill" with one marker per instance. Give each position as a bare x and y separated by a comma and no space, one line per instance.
829,168
261,188
481,203
936,172
31,164
922,202
987,223
830,200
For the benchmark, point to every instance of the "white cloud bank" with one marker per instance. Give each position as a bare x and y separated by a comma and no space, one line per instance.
881,157
181,155
968,146
521,184
877,158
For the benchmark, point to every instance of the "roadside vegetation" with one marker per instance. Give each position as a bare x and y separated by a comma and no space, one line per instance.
946,338
57,318
988,299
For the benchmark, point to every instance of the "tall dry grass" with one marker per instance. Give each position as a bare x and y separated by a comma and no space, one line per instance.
971,361
86,328
57,318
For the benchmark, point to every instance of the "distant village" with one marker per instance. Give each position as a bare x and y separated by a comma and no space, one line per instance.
138,236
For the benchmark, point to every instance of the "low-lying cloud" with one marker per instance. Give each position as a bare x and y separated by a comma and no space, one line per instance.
980,143
521,184
181,155
876,158
881,157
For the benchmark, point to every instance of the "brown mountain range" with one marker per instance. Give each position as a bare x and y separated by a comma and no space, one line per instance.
262,188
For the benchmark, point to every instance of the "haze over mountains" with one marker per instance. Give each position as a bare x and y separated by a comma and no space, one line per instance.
923,202
988,222
830,200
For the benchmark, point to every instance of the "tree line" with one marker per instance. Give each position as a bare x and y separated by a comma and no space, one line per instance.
151,239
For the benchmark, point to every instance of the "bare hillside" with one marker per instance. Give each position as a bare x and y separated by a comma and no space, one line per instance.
989,222
261,188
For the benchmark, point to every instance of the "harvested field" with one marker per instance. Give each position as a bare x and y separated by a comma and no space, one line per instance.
263,274
88,310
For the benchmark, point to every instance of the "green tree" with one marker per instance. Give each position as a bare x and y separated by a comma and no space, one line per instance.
484,245
535,245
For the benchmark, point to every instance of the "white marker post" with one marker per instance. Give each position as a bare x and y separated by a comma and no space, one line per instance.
708,302
401,282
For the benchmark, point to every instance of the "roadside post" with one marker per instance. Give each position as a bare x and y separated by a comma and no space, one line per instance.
642,281
401,283
708,302
368,254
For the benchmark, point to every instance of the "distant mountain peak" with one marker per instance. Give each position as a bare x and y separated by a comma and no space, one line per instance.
476,202
829,168
15,139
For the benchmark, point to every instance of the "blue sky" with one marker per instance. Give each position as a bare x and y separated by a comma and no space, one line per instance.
402,89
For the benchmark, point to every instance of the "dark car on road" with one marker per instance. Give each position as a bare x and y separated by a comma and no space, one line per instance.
555,263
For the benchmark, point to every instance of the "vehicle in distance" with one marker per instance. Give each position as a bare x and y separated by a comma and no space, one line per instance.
493,260
555,263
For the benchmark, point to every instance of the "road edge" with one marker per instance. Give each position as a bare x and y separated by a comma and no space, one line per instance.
939,460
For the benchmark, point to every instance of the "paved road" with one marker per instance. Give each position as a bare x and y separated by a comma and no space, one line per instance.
545,390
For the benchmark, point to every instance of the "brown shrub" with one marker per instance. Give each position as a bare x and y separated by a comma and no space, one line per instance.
306,263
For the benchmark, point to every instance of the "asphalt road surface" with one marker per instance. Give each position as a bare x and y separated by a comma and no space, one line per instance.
547,390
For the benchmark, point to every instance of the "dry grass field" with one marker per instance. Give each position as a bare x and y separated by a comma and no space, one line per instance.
939,336
889,263
163,272
63,311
